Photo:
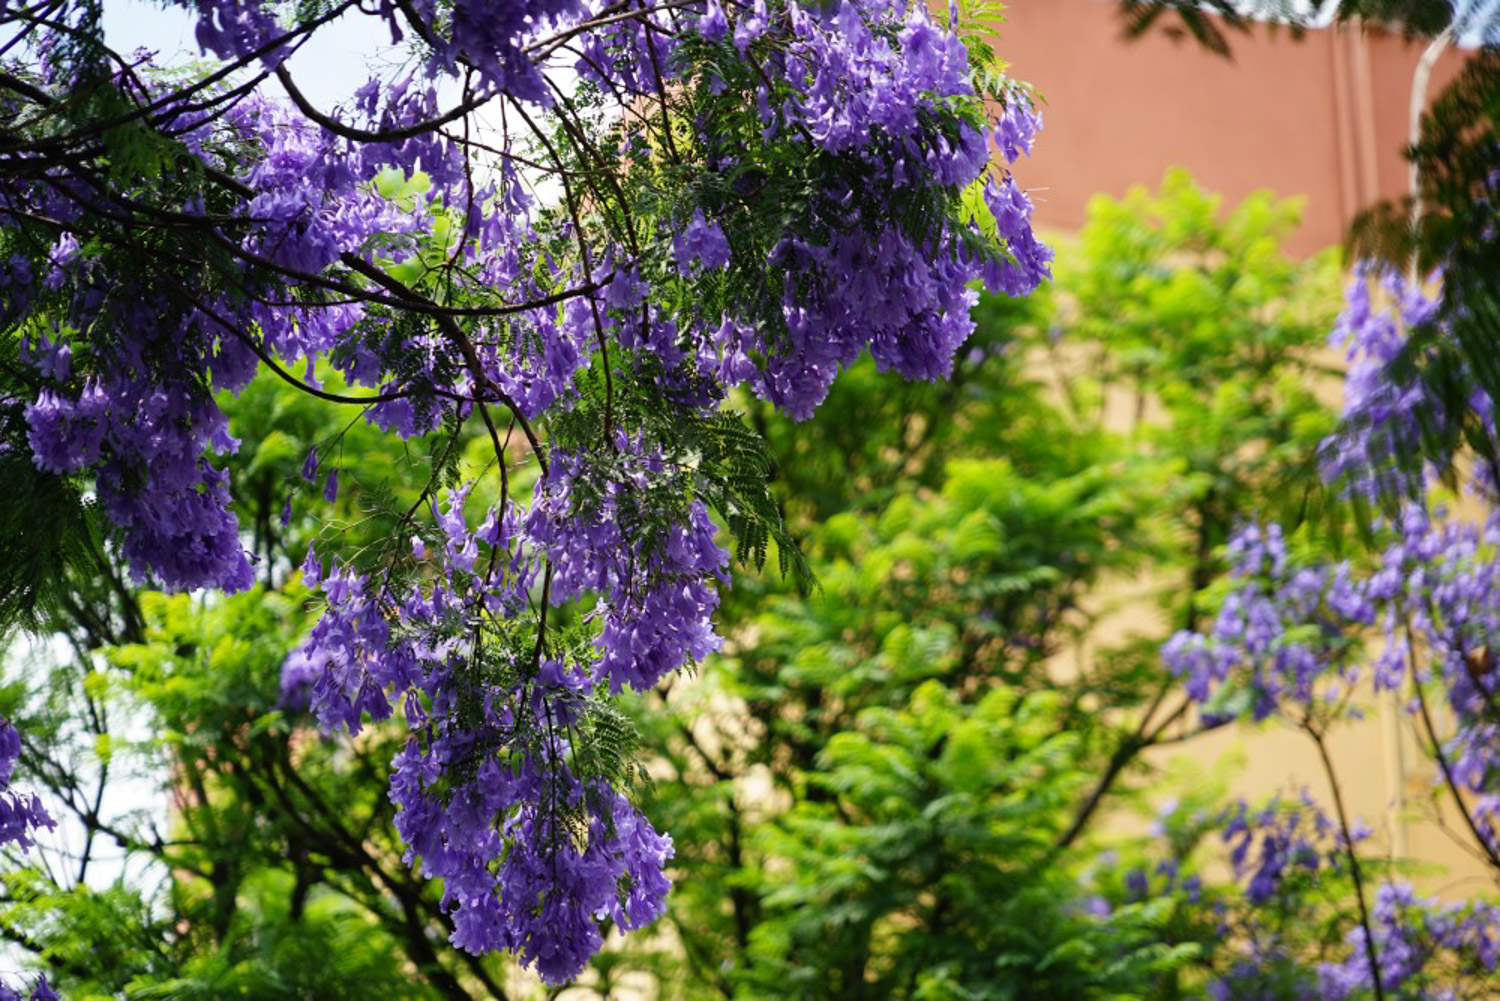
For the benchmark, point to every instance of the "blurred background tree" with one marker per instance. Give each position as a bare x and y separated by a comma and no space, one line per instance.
1444,227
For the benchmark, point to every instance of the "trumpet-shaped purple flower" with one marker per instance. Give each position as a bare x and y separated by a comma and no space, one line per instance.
367,245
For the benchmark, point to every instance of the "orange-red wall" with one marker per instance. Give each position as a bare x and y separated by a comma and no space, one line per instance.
1325,117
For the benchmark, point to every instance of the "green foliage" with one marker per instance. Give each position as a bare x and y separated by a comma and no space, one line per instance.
891,789
1213,332
925,876
930,758
888,788
258,886
51,539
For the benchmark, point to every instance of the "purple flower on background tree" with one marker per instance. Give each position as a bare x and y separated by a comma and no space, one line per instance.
1388,418
1295,637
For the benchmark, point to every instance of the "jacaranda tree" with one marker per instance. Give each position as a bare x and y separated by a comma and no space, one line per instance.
1302,634
1303,629
893,788
572,229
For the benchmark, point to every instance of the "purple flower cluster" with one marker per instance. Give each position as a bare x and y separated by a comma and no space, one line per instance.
1141,884
1284,632
21,815
1423,948
138,412
1440,583
531,857
656,601
853,81
865,81
488,793
366,240
1385,417
1291,636
490,37
40,991
234,28
907,301
145,435
487,37
1267,842
1412,936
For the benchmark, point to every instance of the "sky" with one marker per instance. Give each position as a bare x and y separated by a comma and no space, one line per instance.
327,69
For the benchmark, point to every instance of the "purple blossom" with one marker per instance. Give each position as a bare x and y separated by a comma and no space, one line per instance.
702,243
40,991
1413,936
1267,842
1424,948
1287,633
1293,635
1016,131
533,848
713,25
21,815
1384,417
543,900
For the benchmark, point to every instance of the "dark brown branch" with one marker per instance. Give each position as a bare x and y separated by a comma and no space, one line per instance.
455,333
1442,759
354,134
1355,869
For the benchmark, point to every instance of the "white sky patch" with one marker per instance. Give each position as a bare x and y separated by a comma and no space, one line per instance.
1476,19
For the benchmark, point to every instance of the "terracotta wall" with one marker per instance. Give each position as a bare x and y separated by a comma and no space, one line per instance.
1325,117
